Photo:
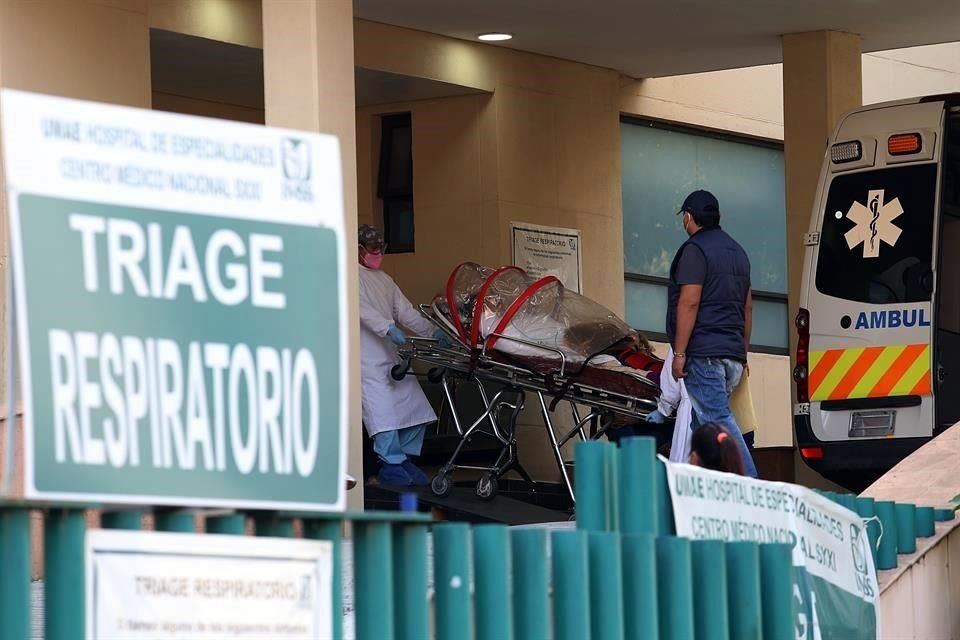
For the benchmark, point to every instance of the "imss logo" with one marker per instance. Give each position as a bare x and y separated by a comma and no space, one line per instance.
297,169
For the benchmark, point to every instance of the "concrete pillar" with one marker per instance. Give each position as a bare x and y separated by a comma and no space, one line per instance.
309,85
821,81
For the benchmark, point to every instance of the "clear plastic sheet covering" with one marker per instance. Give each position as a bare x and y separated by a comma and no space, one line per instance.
538,318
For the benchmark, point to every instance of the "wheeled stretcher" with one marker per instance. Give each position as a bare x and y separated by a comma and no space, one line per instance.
514,336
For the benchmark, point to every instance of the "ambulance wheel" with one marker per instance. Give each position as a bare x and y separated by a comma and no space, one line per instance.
441,484
399,371
487,487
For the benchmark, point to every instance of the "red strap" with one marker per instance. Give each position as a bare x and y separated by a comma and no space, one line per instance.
454,315
478,305
519,302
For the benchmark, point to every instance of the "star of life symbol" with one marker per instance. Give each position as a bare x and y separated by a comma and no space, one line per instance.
874,223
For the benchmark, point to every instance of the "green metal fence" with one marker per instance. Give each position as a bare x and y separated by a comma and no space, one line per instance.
620,575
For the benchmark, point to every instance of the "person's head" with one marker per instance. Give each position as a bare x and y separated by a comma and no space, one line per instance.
371,247
712,447
699,211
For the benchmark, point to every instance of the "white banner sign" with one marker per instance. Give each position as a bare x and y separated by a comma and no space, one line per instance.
158,586
548,251
836,588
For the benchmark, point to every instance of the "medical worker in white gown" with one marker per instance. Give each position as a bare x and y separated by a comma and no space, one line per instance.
395,413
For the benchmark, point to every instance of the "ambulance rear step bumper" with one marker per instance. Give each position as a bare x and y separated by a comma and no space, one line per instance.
842,457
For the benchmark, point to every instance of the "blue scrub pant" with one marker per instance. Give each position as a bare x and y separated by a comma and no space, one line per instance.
394,447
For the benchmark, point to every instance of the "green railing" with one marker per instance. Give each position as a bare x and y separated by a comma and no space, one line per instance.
620,575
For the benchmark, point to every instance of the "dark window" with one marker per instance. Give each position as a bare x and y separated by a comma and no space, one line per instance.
395,182
868,251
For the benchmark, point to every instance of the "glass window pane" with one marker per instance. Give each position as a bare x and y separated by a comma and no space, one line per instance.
876,244
660,167
646,306
770,324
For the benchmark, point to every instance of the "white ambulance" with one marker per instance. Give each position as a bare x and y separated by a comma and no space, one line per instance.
878,357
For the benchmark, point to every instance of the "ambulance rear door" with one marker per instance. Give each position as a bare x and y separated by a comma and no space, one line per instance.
870,284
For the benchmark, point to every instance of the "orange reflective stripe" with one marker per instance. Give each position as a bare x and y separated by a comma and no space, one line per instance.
923,387
824,366
899,368
849,381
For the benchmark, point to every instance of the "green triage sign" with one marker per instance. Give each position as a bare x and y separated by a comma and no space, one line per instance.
179,296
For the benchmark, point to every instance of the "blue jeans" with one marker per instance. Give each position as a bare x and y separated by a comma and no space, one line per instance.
394,447
709,382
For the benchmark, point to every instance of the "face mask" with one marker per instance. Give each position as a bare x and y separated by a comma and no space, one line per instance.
372,260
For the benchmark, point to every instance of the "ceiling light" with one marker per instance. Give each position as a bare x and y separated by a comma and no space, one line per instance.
494,37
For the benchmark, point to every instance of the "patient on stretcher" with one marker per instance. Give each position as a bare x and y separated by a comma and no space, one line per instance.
536,320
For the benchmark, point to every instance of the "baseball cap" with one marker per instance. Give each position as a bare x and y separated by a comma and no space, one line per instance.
701,203
369,237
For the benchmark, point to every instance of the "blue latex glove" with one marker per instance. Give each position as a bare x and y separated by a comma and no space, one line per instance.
396,336
656,417
442,338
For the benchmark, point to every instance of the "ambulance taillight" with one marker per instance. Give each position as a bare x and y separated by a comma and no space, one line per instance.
801,372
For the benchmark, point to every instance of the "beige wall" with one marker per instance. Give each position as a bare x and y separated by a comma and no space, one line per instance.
234,21
198,107
750,101
543,148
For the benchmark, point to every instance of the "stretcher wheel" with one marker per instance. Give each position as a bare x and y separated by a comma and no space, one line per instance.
435,375
487,487
441,484
399,371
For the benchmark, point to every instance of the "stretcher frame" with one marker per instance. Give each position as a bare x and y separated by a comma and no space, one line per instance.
458,364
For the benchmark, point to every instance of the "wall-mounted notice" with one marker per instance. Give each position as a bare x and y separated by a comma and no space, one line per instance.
180,302
548,251
159,586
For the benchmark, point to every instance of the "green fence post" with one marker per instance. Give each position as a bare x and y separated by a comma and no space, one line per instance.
848,500
926,524
373,580
866,508
531,603
665,523
493,593
743,590
674,588
15,573
452,575
776,588
332,531
234,524
174,520
64,611
611,494
272,525
637,479
711,620
571,605
410,581
606,586
640,607
124,520
590,486
906,523
943,515
887,551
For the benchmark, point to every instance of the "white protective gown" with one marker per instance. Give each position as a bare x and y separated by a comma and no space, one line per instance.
673,397
388,405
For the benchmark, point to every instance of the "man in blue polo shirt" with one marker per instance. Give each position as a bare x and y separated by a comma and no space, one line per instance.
709,316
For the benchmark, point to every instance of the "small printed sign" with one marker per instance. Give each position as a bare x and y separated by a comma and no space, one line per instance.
175,586
548,251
